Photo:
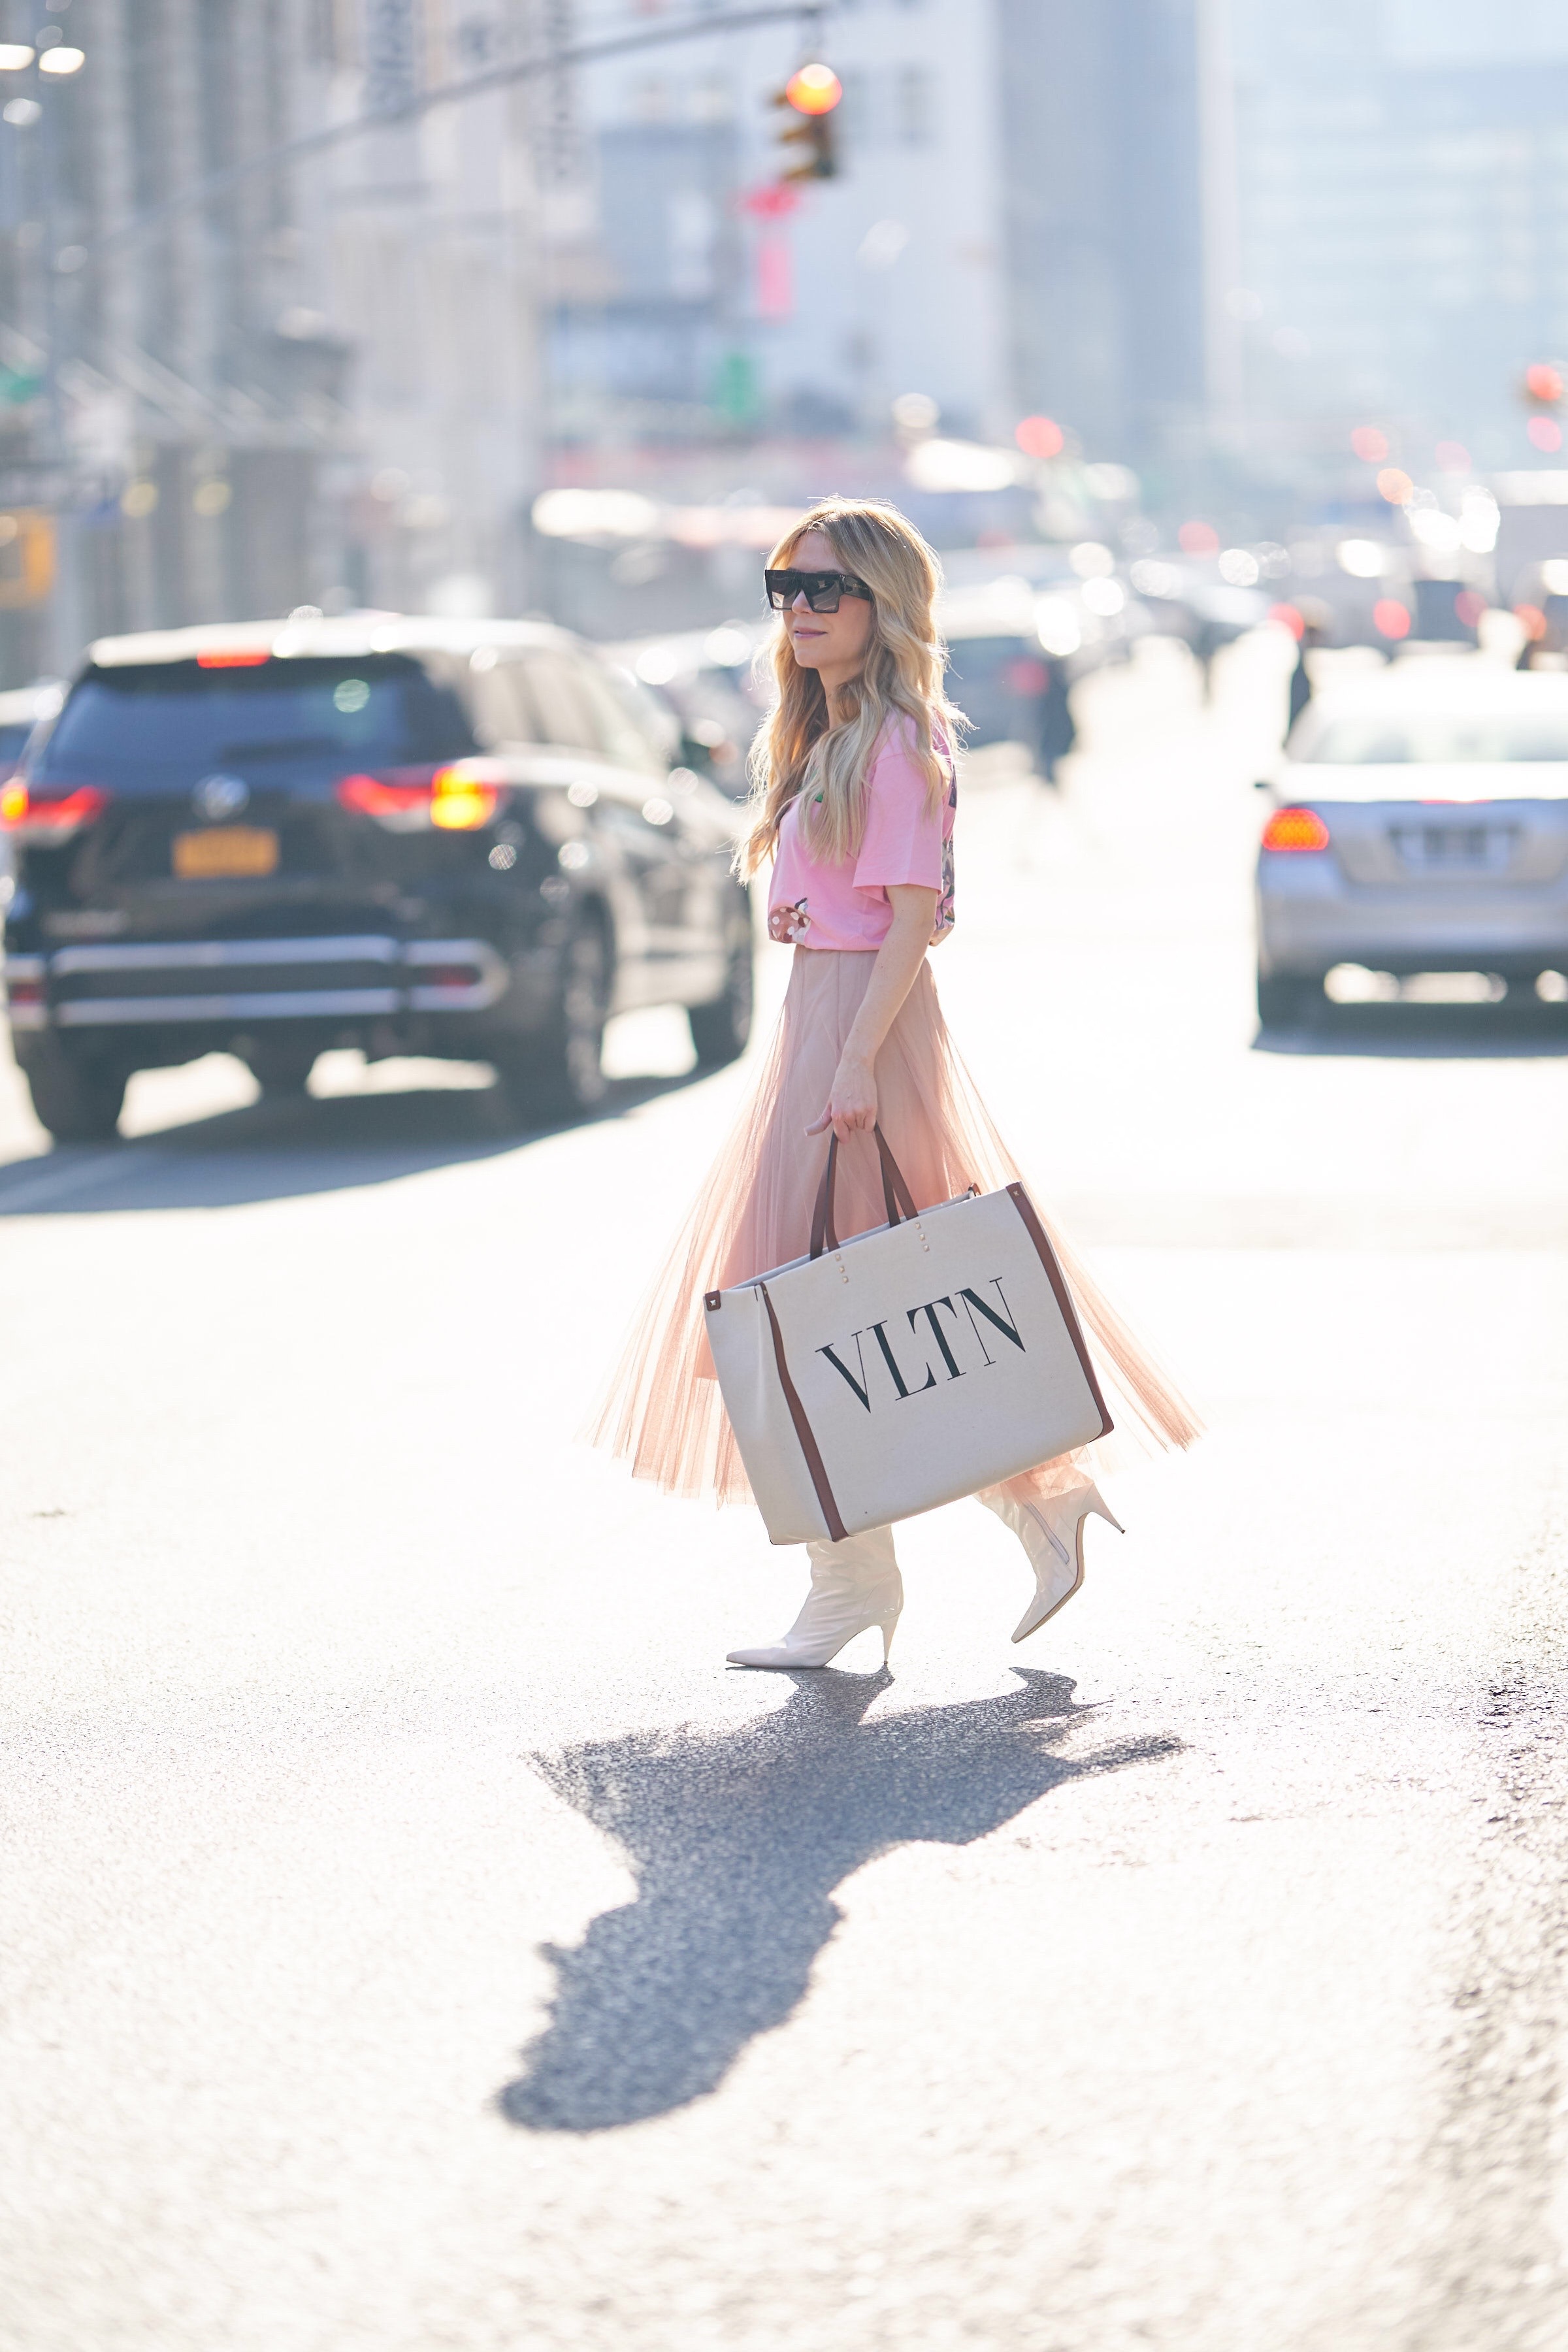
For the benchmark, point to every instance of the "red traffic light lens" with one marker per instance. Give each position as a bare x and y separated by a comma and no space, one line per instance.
814,89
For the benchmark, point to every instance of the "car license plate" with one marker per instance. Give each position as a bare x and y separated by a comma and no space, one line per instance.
225,850
1455,848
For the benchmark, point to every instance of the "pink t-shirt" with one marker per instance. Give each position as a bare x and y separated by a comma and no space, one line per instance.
905,840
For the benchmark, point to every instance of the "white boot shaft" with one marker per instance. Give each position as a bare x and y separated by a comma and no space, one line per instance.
854,1584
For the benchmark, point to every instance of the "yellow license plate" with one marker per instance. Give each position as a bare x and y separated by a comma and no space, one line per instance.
227,849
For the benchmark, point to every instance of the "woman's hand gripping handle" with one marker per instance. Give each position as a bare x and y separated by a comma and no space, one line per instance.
852,1101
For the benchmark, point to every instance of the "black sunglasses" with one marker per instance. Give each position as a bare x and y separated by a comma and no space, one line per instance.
822,590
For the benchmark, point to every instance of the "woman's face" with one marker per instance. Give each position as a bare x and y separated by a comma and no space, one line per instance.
832,643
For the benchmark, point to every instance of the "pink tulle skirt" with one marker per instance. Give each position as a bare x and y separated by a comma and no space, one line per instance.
664,1413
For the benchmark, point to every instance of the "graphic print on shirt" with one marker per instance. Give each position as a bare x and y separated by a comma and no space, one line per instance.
789,925
945,913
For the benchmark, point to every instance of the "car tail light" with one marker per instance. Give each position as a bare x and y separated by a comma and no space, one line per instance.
396,802
44,817
460,798
464,797
1295,828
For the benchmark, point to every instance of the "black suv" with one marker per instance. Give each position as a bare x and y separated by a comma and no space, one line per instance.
457,838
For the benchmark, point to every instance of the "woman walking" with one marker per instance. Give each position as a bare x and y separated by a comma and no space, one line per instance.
853,804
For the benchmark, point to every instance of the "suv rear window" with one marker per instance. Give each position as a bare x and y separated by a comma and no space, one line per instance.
377,707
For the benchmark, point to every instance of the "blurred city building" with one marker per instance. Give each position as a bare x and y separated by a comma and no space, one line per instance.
1110,243
576,342
431,274
1401,178
314,385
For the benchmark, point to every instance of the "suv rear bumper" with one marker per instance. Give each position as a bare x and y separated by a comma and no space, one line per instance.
223,982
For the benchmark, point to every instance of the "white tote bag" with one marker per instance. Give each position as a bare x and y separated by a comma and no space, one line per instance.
879,1377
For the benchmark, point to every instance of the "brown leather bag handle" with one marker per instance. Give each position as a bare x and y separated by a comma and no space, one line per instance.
896,1193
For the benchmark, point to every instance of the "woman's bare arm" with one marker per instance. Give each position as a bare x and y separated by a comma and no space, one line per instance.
853,1101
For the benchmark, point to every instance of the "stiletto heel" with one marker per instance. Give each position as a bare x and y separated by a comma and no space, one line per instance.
854,1585
1051,1532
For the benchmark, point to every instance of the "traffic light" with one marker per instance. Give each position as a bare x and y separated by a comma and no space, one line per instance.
1544,391
810,97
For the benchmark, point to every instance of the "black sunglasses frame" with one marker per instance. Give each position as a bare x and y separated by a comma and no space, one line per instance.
822,590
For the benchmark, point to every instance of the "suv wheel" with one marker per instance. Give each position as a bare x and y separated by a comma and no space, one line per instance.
719,1031
278,1069
563,1072
79,1099
1285,1001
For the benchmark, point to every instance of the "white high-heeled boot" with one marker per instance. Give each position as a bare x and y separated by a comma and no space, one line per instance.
854,1584
1051,1532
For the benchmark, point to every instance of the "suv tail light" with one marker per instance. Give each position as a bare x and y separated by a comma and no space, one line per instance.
45,818
401,807
1295,828
463,798
456,798
460,798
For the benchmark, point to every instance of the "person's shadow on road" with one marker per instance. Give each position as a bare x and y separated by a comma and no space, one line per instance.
737,1842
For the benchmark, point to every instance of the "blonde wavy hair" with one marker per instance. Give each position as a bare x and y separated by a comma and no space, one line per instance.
798,750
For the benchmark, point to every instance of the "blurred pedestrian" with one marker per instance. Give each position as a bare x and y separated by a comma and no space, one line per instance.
1058,728
853,805
1312,637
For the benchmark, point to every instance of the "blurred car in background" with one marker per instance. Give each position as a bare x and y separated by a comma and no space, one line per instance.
1000,674
704,679
1419,825
1017,643
414,837
20,711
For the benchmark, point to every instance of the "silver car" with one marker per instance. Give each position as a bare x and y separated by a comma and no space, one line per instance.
1419,825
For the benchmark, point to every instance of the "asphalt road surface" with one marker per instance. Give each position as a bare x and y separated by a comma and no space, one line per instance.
418,1938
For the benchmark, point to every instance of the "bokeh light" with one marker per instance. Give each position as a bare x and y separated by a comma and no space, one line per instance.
1532,621
1390,619
1395,485
1545,435
814,89
1040,436
1543,382
1369,444
1453,457
916,412
1288,616
1198,538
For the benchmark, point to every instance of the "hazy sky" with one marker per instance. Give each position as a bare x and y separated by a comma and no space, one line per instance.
1482,32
